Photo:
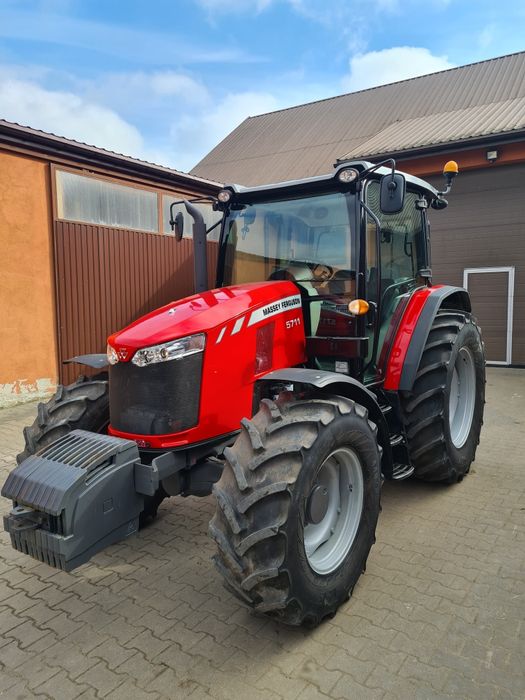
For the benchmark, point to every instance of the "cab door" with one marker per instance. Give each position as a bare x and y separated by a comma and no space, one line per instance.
396,259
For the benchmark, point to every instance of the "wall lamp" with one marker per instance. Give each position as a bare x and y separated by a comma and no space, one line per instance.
492,156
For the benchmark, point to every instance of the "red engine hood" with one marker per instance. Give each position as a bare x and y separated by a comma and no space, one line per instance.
198,314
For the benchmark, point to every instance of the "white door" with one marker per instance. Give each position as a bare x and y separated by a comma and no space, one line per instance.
492,292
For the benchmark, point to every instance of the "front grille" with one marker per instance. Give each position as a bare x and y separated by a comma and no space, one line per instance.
158,399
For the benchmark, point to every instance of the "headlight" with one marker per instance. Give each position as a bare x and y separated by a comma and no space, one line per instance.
112,355
347,175
174,350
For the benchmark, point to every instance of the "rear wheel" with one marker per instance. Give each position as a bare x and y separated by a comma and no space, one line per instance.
83,405
443,413
297,507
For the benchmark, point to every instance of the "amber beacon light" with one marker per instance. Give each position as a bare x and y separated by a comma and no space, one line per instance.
450,171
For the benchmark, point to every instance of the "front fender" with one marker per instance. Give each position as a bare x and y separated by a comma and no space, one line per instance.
341,385
96,360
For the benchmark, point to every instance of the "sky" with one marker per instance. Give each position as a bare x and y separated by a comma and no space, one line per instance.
166,80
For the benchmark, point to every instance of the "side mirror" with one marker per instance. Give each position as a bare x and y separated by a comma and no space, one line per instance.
178,226
392,193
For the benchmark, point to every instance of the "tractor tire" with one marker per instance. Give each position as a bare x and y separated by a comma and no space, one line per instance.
443,413
300,469
83,405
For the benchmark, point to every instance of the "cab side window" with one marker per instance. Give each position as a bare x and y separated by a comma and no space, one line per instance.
401,252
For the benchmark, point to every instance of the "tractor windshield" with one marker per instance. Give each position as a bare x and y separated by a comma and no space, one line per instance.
306,240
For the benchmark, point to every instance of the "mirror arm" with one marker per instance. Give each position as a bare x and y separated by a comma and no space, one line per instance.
389,161
214,226
446,190
206,198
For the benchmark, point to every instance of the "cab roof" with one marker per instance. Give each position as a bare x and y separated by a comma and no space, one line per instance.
327,182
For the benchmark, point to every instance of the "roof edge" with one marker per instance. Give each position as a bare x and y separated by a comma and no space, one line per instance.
49,144
507,137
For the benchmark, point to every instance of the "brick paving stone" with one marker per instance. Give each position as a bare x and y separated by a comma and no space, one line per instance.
60,687
26,633
137,667
169,684
348,689
112,654
438,614
102,679
130,691
12,655
148,644
69,658
318,676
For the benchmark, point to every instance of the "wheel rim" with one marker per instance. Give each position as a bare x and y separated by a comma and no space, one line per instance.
462,397
328,542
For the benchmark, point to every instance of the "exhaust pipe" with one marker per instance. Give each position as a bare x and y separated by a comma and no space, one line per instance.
200,251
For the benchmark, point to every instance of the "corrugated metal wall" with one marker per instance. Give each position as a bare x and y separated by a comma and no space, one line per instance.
484,226
107,277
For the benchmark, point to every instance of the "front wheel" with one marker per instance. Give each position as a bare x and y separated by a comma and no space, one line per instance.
297,507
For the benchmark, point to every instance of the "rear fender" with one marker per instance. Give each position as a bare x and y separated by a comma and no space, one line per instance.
340,385
414,327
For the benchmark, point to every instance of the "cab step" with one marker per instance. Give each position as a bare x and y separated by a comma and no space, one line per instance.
402,471
397,440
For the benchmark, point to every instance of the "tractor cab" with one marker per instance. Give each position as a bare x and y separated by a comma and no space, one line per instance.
355,254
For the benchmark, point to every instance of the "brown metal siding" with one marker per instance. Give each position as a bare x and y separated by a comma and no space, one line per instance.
107,277
484,226
489,294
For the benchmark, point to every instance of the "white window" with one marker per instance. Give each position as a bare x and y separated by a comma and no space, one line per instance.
81,198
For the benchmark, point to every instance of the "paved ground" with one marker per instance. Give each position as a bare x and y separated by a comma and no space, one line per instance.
438,614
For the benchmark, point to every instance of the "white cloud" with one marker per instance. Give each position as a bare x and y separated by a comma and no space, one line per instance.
187,121
486,36
146,92
194,135
169,83
67,114
113,38
390,65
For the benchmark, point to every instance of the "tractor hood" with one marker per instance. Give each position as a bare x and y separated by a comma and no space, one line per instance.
200,313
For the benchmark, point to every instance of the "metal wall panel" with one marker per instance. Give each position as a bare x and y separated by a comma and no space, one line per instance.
107,277
484,226
489,294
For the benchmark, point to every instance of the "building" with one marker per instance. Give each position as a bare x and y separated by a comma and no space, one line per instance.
86,248
474,114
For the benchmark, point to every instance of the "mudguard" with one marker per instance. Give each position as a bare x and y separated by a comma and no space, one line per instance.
96,360
414,327
343,385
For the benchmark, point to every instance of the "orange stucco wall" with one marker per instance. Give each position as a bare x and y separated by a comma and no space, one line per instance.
28,366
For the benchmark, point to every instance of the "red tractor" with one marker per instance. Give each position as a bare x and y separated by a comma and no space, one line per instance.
324,362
